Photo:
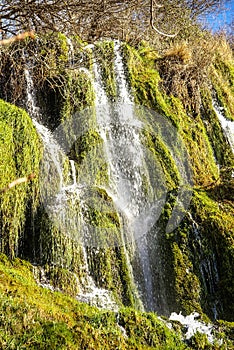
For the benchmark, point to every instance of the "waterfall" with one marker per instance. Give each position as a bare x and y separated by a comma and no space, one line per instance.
136,181
134,184
120,130
138,203
53,157
227,125
56,194
123,90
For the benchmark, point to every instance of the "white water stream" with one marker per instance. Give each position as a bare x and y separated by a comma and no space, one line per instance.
60,212
193,325
120,130
227,125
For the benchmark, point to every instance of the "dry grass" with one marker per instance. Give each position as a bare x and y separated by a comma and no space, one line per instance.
185,67
224,49
179,52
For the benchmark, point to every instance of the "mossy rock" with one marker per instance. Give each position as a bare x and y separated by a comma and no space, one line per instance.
21,152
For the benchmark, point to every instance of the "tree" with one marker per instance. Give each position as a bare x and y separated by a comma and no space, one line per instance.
95,18
19,37
230,35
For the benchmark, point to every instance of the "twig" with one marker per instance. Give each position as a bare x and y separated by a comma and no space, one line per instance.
152,20
18,37
17,182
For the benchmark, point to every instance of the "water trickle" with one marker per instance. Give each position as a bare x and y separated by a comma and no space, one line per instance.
227,125
207,266
73,172
31,105
93,295
71,54
100,94
53,155
123,89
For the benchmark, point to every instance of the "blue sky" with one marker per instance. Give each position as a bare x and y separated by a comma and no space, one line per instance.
222,20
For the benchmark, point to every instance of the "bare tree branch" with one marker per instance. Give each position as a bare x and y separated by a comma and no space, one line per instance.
152,20
18,37
79,17
17,182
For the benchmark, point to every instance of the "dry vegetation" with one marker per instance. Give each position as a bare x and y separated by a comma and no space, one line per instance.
185,59
186,66
94,19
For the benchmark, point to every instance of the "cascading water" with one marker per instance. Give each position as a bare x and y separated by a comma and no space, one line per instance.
227,125
31,106
134,187
138,202
123,90
120,130
53,154
57,205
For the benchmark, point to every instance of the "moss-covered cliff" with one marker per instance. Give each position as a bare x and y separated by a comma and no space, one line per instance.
21,152
196,258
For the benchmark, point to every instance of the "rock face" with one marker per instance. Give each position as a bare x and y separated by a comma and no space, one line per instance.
132,200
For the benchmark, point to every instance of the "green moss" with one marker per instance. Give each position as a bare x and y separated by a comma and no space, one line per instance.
64,47
187,285
87,151
222,79
200,341
104,55
21,152
64,279
145,82
140,327
84,144
206,248
216,226
196,142
78,94
36,318
162,155
226,329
